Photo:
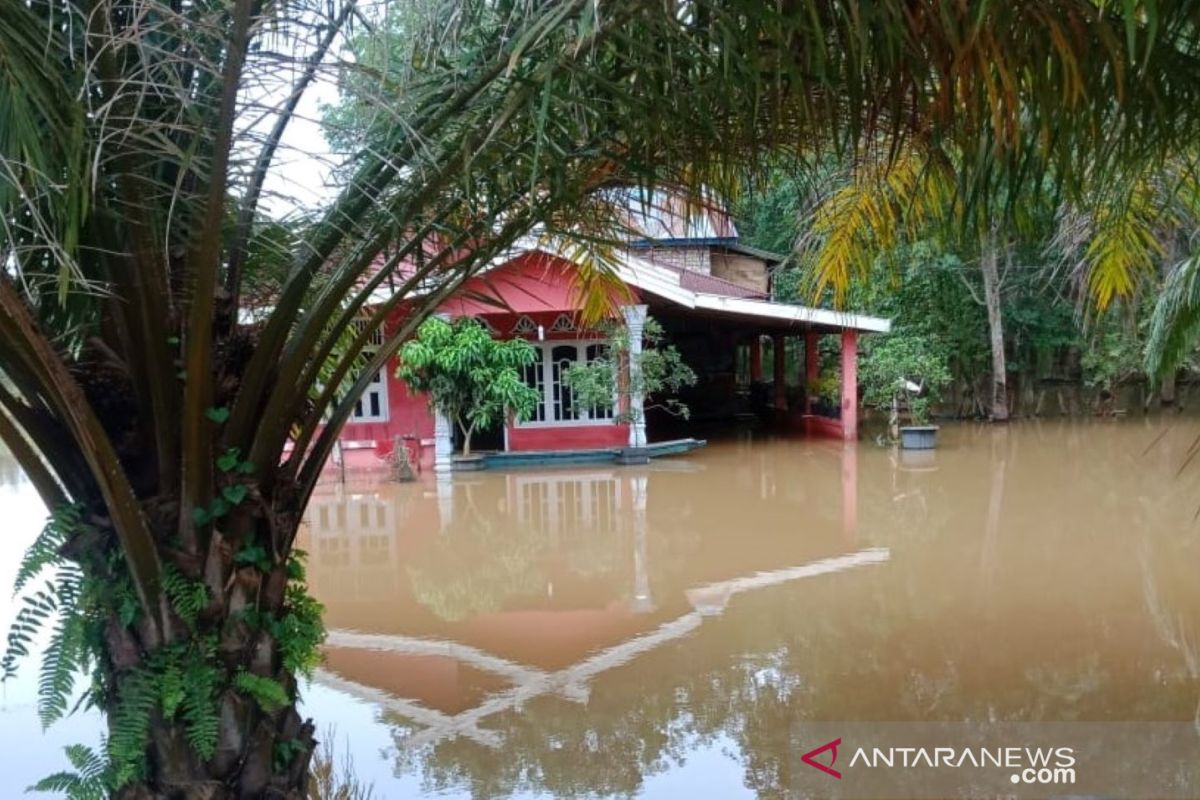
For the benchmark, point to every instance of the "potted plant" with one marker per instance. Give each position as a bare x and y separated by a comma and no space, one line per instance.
471,378
660,373
910,366
825,391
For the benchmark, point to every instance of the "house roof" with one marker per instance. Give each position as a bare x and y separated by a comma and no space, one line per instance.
672,286
496,291
755,252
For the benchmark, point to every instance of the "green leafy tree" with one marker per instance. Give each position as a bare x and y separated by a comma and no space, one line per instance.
892,362
475,380
608,381
138,139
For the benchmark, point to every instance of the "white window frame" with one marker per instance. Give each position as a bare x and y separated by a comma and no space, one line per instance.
378,388
546,365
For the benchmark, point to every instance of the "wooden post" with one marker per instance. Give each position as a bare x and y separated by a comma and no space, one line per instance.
756,359
812,367
779,346
850,385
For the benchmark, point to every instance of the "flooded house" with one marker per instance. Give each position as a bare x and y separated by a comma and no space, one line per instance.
713,297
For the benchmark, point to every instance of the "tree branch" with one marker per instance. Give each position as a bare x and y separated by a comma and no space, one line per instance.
34,467
197,451
21,336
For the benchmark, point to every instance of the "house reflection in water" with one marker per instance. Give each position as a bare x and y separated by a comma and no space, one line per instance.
452,601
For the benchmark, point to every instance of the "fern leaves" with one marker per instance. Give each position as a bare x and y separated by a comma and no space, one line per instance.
199,707
268,693
66,656
89,782
70,606
46,548
188,597
57,603
37,610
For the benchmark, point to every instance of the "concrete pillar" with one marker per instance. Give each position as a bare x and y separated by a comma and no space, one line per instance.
443,431
780,348
443,442
756,374
635,322
812,367
850,385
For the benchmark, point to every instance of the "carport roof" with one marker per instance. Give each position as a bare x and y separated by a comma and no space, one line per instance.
669,285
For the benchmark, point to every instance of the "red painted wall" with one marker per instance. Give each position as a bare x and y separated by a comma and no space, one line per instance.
408,415
568,437
537,285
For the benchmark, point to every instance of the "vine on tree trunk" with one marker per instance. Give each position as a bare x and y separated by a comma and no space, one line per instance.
169,700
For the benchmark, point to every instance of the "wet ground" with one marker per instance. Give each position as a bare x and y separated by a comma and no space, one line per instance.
660,630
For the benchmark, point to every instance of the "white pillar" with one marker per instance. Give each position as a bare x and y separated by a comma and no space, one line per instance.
443,443
635,322
443,432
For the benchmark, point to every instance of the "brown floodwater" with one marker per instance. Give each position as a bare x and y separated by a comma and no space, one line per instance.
658,631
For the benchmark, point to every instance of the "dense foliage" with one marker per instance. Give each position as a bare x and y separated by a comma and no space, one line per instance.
472,378
905,368
1056,342
615,376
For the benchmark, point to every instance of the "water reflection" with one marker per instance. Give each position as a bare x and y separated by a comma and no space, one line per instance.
585,631
660,630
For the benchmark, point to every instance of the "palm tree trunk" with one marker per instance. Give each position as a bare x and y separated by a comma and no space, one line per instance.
233,729
991,296
1167,392
1166,396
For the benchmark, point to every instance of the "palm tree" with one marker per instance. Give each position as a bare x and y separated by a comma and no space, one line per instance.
178,444
1138,234
1112,237
888,198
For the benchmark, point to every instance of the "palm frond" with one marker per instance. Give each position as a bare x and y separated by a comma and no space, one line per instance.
877,204
1175,323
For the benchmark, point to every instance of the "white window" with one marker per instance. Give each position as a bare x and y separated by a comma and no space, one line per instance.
557,404
372,406
534,376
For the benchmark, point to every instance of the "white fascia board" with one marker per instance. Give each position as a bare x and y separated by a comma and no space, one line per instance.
665,284
790,313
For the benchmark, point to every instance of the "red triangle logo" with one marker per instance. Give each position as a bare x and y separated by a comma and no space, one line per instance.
810,758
